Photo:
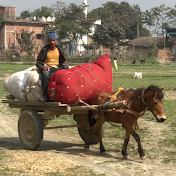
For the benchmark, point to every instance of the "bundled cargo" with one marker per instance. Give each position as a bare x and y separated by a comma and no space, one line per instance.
25,85
81,82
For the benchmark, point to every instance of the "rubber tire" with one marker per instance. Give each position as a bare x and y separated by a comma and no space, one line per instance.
30,129
84,133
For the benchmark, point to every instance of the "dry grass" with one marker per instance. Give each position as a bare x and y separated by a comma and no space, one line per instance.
170,94
35,163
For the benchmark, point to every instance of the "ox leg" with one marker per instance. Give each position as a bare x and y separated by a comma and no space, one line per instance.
99,134
136,127
96,128
102,149
93,130
125,144
140,149
130,129
100,122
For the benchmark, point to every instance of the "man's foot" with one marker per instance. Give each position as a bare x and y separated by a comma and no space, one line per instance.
45,98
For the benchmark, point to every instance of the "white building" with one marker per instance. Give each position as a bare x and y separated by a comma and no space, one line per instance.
85,39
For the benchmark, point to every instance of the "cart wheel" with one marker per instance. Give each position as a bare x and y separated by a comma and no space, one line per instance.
84,134
30,129
82,119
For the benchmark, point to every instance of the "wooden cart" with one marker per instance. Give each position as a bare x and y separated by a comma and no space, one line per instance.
35,116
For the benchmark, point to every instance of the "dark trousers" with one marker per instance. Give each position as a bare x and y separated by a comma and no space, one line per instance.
46,75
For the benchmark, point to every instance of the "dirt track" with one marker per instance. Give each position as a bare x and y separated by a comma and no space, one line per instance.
59,151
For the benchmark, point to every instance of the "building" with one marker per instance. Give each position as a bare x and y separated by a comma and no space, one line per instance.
171,33
9,24
147,46
86,39
157,47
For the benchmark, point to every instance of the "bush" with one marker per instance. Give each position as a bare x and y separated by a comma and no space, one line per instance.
28,58
12,56
81,59
152,61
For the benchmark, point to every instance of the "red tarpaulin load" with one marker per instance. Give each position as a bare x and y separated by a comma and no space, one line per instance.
81,82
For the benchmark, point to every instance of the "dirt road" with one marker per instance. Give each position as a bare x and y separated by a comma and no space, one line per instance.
60,151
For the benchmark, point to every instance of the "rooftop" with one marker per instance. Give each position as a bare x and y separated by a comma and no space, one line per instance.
146,41
6,6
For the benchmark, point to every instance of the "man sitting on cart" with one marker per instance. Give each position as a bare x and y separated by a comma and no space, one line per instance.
50,59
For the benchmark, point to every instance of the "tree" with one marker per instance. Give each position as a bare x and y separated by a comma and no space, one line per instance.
43,11
158,18
108,35
25,14
144,32
109,32
119,21
58,6
71,24
126,16
26,41
1,20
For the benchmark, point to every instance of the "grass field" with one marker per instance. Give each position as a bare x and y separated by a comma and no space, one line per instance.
163,76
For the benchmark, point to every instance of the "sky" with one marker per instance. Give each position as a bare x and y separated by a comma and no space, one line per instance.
31,5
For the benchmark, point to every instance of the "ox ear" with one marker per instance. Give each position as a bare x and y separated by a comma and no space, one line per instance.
162,89
156,94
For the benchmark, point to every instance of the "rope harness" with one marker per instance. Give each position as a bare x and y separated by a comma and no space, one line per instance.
142,98
129,109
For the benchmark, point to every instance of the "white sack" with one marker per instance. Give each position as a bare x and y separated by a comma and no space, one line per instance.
15,84
33,88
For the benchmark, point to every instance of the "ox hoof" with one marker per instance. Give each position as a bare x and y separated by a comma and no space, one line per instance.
126,156
86,149
104,153
142,157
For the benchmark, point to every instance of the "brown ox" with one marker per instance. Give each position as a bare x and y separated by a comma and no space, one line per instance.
139,100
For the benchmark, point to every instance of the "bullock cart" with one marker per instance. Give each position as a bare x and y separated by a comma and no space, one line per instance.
35,116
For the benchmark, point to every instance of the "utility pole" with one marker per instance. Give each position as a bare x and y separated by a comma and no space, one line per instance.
137,30
83,40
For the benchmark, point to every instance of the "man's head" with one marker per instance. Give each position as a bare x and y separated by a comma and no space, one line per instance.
52,39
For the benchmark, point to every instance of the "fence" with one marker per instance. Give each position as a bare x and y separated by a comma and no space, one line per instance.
84,57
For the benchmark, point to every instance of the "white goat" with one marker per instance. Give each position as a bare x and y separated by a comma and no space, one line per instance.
138,75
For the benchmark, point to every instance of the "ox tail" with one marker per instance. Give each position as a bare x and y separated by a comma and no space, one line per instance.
91,119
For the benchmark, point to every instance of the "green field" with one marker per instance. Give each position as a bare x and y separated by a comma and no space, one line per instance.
163,76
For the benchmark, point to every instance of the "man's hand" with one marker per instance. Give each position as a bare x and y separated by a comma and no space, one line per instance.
46,67
65,63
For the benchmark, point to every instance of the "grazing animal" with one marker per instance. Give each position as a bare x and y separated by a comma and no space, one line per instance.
142,61
138,75
134,62
138,101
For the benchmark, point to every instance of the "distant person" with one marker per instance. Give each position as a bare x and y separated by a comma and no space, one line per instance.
115,63
50,59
